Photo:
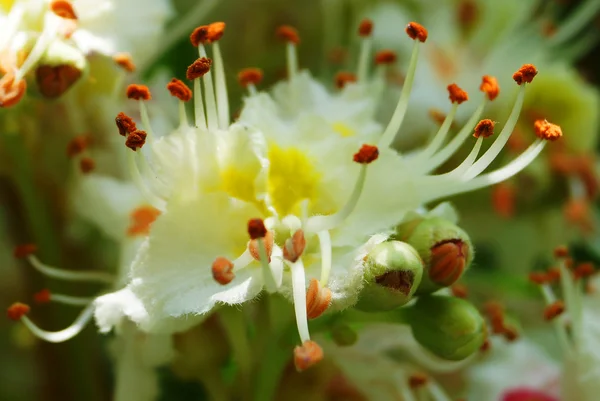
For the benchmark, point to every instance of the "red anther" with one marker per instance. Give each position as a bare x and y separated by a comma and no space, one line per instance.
365,28
467,13
179,90
553,274
63,9
307,355
294,247
459,291
11,91
489,85
136,140
561,251
539,278
138,92
510,333
526,394
525,74
256,228
141,218
77,145
484,128
584,270
42,297
487,344
337,55
87,165
125,124
578,213
385,57
53,81
24,250
215,31
198,68
417,380
554,309
504,199
437,116
367,154
268,241
344,77
448,261
250,76
457,95
287,33
222,270
546,130
416,31
17,310
318,299
124,61
199,35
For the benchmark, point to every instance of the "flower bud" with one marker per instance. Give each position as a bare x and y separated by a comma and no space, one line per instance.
393,272
449,327
445,248
343,335
59,69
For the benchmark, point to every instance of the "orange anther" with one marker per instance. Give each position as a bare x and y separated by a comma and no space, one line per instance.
63,9
504,199
287,33
546,130
250,76
179,90
294,247
87,165
42,297
525,74
385,57
344,77
24,250
448,261
416,31
256,228
489,85
125,124
318,299
561,251
222,270
141,218
138,92
457,95
365,28
17,310
198,68
484,128
77,145
268,241
553,310
11,90
306,355
136,140
585,269
417,380
124,61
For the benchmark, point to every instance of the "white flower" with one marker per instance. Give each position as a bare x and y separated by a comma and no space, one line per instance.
295,174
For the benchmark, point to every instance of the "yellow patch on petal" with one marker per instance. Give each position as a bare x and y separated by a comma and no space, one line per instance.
6,4
239,183
343,129
292,179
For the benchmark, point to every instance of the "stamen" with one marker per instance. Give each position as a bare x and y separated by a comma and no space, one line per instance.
510,334
45,296
457,95
138,92
256,228
459,291
553,310
215,32
307,355
257,231
489,85
124,61
318,299
125,124
384,57
17,310
222,270
87,165
366,155
504,199
344,77
415,31
578,213
365,31
561,251
136,176
289,35
63,9
294,247
136,140
199,35
525,74
484,128
27,250
539,278
12,90
546,130
584,270
63,335
200,68
53,81
269,242
76,146
141,220
417,380
179,90
299,295
326,257
249,78
448,260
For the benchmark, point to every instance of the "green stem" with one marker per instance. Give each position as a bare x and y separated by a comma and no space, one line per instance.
237,333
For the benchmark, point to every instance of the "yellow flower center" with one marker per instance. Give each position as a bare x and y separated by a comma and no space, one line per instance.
6,4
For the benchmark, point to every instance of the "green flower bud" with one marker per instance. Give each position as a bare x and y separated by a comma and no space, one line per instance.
445,248
393,272
449,327
343,335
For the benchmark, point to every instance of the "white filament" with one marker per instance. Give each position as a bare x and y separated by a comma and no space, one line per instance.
63,335
299,295
325,245
68,275
268,278
70,300
211,104
440,136
363,60
183,122
221,84
146,121
199,116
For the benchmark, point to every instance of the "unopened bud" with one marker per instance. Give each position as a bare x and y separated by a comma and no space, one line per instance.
446,251
449,327
393,272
